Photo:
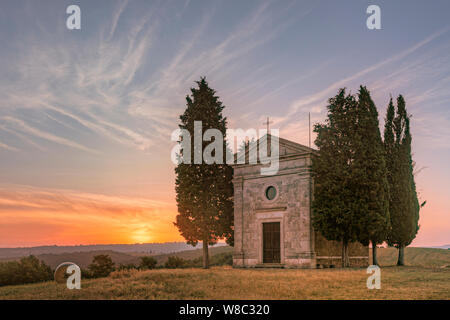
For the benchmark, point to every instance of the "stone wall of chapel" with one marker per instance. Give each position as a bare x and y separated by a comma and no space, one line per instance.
291,208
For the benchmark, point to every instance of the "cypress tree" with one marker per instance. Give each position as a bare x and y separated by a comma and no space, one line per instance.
404,204
334,206
204,191
370,184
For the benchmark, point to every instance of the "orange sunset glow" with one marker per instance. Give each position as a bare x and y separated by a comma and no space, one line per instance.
35,216
42,217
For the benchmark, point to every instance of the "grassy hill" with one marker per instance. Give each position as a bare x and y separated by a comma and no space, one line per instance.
426,276
420,257
228,283
194,254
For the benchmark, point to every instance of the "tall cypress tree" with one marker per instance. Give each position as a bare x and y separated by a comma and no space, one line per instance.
204,190
334,206
403,205
370,183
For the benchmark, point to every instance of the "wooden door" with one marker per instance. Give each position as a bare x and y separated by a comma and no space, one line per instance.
271,242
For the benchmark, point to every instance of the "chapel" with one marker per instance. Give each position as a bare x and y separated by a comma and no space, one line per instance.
272,215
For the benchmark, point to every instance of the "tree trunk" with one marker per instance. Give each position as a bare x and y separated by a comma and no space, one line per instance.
374,254
401,256
345,259
205,254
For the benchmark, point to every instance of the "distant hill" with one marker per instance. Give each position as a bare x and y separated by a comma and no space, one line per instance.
146,248
420,257
83,259
423,257
445,246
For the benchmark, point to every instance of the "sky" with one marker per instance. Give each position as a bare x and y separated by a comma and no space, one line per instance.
86,115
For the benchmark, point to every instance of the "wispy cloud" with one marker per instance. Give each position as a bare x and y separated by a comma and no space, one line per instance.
5,146
395,74
103,87
21,125
318,98
116,17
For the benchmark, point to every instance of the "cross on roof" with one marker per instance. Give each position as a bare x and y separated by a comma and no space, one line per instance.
267,124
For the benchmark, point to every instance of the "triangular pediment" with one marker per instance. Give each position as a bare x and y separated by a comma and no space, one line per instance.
293,147
286,148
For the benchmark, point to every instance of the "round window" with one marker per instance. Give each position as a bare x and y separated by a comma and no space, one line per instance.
271,193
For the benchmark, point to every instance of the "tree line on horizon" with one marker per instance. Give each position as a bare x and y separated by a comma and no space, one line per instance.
364,187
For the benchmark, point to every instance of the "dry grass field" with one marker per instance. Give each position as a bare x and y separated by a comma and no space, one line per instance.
427,276
229,283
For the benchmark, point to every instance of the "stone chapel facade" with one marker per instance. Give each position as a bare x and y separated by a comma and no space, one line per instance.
272,216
